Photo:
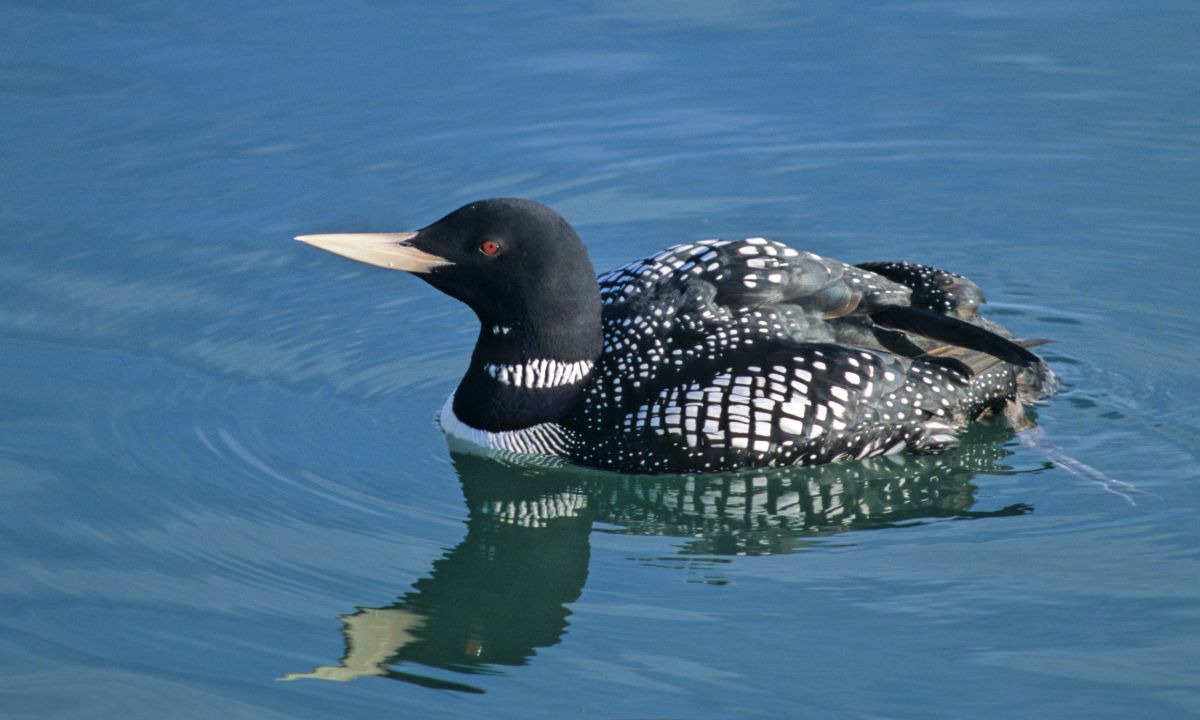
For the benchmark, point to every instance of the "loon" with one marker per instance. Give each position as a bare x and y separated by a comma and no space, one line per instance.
713,355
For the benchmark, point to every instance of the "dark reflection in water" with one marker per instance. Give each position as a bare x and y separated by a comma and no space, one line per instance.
504,590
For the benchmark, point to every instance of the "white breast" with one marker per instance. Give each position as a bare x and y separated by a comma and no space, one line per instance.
549,439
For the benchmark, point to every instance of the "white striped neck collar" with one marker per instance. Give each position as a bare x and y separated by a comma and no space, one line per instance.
545,439
540,373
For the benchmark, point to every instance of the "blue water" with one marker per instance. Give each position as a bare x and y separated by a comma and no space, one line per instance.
218,459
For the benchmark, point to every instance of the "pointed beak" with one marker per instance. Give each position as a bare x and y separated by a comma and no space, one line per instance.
389,250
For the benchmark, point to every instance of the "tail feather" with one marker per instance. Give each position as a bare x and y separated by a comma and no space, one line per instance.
978,361
953,331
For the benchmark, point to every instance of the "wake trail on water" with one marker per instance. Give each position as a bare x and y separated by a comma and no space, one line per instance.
1036,440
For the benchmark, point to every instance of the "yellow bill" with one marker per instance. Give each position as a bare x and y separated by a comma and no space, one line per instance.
387,250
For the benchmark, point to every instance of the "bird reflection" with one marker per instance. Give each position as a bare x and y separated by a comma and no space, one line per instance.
505,590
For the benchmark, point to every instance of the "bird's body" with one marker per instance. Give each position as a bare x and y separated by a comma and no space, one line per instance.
714,355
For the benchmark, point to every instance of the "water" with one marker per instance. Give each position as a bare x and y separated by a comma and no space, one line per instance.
218,460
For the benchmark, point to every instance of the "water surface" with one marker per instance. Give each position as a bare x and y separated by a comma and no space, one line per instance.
221,484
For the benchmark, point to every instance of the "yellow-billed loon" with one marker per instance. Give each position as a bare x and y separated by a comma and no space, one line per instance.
711,355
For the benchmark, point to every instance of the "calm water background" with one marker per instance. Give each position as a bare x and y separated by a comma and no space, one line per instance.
217,445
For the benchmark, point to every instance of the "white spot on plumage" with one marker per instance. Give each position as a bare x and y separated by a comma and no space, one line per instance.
791,426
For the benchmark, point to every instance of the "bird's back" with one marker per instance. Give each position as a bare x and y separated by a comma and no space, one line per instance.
748,353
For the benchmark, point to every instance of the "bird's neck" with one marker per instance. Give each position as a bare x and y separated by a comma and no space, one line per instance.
531,370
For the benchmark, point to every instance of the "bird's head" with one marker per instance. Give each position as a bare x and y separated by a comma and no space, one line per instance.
518,264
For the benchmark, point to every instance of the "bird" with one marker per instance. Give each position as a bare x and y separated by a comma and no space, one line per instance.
708,356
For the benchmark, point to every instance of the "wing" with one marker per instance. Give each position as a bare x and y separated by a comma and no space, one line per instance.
932,289
723,354
790,405
753,273
875,305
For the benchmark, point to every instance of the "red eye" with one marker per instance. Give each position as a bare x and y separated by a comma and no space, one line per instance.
489,247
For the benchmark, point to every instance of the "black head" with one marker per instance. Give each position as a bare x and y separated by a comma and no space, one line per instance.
520,267
518,264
